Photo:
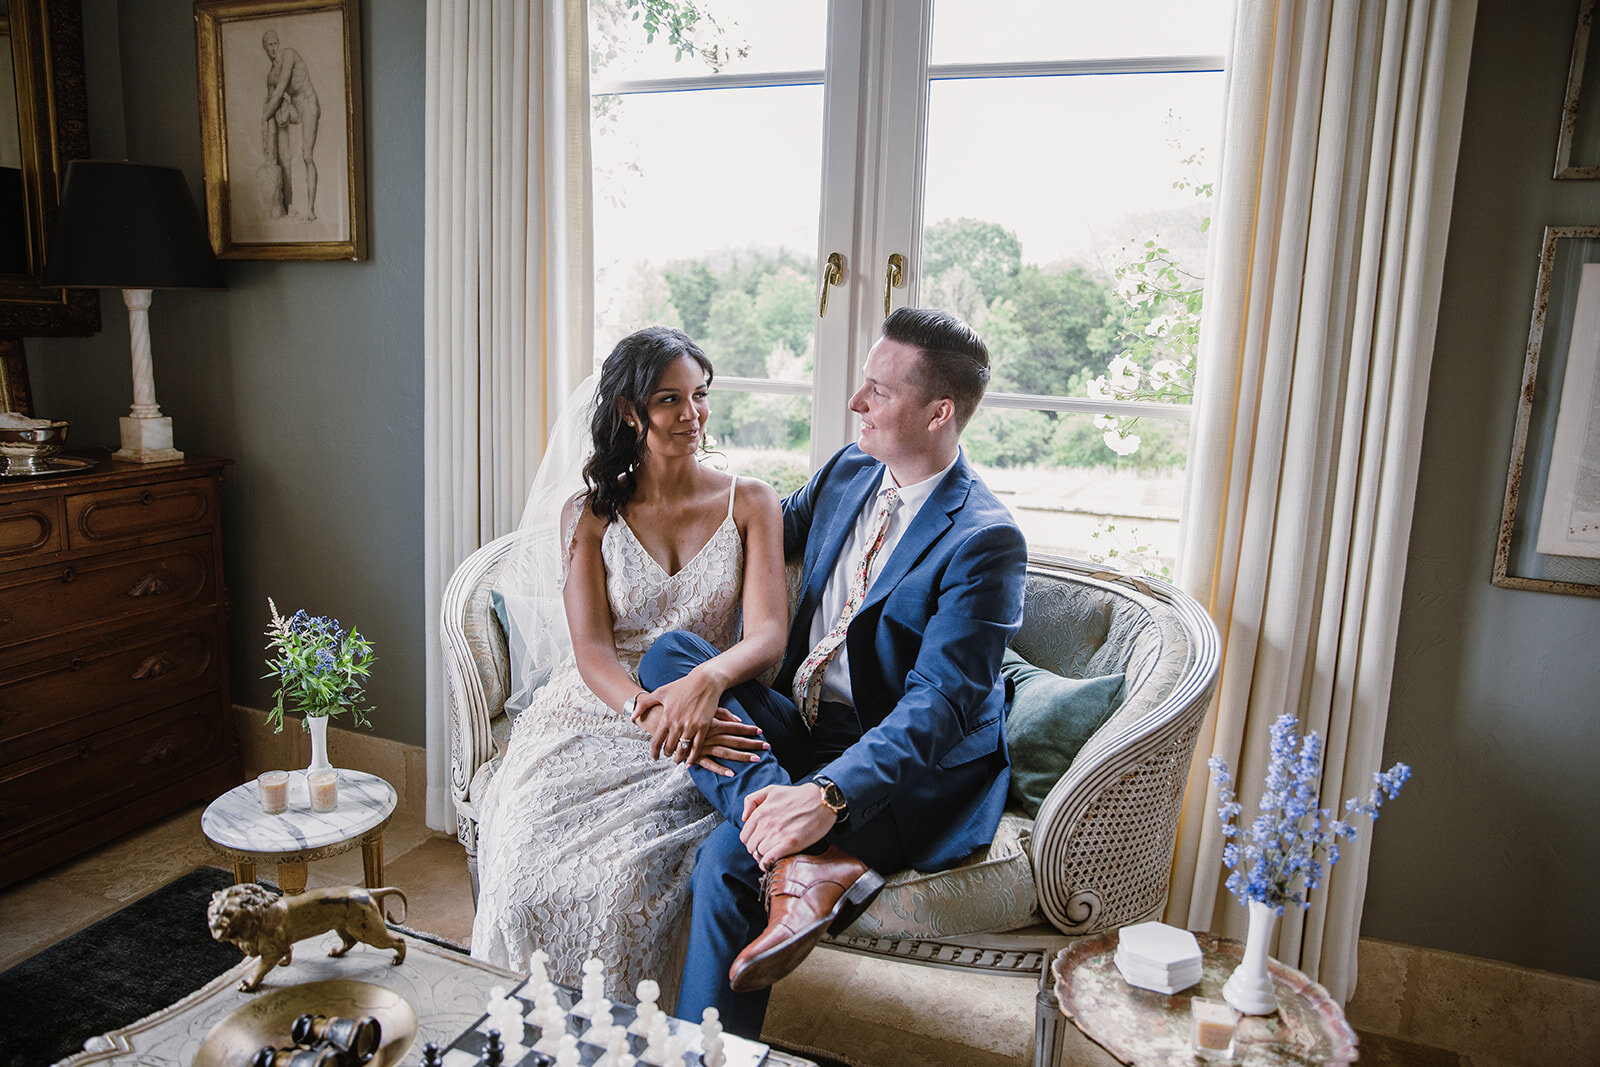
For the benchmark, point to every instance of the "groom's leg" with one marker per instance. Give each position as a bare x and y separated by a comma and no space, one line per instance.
726,914
678,652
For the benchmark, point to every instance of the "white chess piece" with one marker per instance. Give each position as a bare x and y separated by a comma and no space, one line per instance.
567,1053
594,984
655,1050
711,1038
677,1044
616,1046
544,995
648,992
599,1023
552,1023
537,969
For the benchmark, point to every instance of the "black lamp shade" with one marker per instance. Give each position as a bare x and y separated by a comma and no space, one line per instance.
128,226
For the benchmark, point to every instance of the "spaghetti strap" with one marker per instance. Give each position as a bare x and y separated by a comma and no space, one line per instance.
731,488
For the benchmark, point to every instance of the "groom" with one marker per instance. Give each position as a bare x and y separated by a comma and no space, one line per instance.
886,717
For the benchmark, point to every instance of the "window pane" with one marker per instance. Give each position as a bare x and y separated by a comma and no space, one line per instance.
1080,259
998,31
1065,486
763,435
706,208
717,36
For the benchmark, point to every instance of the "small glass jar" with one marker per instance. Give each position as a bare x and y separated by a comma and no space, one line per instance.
274,789
1214,1026
324,787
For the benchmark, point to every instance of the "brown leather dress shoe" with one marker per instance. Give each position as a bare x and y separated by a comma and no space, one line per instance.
806,897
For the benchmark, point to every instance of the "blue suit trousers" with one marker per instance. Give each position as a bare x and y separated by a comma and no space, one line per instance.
727,912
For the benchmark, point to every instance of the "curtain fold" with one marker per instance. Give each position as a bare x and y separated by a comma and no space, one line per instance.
1337,169
508,283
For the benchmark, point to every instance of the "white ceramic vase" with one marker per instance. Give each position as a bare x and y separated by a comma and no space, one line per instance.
318,725
1249,988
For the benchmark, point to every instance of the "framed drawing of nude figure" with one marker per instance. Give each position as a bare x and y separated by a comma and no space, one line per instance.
280,122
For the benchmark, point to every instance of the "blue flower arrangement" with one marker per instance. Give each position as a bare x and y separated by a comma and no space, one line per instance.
321,669
1291,837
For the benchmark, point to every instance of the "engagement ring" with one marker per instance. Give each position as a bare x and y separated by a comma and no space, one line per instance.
684,743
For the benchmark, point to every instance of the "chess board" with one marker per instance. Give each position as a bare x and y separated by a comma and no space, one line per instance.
467,1050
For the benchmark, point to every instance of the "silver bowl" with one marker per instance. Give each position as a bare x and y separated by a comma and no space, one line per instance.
27,450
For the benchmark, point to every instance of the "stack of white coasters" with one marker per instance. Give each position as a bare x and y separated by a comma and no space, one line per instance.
1158,957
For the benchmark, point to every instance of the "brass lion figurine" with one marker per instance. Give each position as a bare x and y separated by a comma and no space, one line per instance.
265,925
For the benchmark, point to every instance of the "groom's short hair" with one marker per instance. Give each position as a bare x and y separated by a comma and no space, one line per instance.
954,363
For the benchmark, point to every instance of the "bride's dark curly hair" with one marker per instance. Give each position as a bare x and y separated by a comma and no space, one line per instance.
631,372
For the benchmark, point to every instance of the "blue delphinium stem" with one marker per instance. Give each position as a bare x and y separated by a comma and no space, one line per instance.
1291,840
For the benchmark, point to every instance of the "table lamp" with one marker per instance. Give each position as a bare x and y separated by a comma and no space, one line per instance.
132,226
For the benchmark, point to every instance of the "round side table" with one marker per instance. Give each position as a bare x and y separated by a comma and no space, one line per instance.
237,827
1149,1029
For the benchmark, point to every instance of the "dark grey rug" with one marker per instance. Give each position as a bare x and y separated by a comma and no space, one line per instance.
153,952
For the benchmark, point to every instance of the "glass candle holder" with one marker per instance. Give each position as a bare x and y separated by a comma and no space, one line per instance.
274,789
1214,1025
324,786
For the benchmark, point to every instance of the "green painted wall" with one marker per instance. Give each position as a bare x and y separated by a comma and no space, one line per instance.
1493,849
307,375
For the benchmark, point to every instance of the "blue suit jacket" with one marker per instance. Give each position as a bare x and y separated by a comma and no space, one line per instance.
925,651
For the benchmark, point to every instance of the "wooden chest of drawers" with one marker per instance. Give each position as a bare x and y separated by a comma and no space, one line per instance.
113,655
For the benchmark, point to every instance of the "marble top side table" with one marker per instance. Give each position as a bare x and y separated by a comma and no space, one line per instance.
1149,1029
237,827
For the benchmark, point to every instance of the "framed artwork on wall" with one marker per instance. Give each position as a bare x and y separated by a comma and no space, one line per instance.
1578,148
1550,524
280,123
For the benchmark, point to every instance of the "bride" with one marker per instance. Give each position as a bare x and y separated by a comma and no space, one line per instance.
588,831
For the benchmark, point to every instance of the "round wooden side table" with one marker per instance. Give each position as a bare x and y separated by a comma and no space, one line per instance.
1149,1029
237,827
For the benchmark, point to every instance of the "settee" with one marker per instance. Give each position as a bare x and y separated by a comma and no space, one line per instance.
1095,857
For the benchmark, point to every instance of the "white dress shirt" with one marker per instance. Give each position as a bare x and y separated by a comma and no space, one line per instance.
836,681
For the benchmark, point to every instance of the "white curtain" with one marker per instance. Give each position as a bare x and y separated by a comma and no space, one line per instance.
508,282
1338,164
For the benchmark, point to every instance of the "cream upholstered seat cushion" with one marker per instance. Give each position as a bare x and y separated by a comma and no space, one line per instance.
992,891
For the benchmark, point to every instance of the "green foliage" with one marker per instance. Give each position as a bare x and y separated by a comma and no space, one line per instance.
321,669
1056,315
692,286
1124,550
990,255
1010,438
783,474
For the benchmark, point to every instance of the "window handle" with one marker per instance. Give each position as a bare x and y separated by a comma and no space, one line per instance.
832,274
894,277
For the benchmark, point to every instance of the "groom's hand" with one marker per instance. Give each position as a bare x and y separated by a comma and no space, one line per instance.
780,820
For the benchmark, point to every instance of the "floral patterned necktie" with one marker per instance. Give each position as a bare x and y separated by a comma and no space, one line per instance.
808,679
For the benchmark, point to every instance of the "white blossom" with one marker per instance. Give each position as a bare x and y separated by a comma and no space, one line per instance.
1122,443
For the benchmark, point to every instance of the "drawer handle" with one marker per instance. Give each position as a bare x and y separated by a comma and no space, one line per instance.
158,751
154,666
147,498
75,665
156,583
68,574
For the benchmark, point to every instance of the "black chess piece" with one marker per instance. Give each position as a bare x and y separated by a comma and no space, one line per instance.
494,1053
432,1055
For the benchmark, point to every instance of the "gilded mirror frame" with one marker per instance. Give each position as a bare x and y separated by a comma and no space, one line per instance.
46,38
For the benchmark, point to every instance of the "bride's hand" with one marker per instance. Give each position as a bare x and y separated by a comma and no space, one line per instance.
730,739
678,716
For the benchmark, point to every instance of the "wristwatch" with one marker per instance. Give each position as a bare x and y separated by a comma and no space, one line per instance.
631,704
833,797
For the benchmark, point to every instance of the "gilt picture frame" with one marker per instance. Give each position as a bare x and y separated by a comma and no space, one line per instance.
1553,482
281,128
1578,147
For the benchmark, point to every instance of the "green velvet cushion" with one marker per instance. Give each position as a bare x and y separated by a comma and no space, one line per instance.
1051,718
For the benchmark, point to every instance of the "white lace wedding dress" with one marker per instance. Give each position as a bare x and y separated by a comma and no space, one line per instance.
586,844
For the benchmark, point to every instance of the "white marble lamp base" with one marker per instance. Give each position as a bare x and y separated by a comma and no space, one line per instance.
146,440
